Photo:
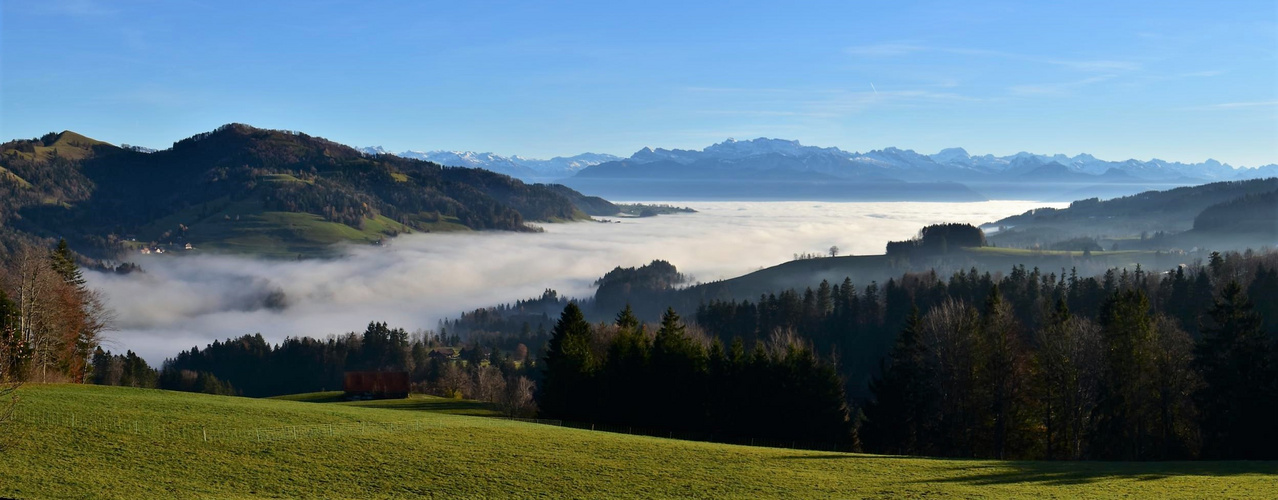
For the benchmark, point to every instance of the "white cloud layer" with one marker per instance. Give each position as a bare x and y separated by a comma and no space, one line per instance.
416,280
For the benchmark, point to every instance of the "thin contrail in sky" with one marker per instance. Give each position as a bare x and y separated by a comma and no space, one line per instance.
876,91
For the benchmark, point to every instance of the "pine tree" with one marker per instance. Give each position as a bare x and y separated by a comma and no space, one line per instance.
894,419
678,368
1237,364
569,368
63,262
1126,414
1001,370
626,319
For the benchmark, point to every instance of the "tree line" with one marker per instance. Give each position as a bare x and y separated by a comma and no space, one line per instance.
251,366
50,321
678,380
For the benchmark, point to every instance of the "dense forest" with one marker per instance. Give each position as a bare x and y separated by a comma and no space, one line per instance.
676,380
99,196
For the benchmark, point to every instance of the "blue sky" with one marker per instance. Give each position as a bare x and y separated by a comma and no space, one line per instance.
1174,80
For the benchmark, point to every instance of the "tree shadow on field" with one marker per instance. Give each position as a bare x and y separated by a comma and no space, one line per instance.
433,405
1067,473
986,472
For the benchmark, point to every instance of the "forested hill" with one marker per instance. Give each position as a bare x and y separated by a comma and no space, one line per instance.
246,189
1220,215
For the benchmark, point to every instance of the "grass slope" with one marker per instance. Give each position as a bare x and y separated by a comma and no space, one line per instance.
386,452
244,227
417,402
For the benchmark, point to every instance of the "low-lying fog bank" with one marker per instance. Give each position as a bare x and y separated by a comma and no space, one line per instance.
186,301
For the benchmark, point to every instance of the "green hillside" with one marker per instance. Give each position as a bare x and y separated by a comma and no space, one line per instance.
249,190
89,441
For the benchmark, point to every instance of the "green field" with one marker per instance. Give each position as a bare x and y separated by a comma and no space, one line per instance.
87,441
244,227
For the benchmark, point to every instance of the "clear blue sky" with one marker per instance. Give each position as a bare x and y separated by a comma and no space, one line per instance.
1173,80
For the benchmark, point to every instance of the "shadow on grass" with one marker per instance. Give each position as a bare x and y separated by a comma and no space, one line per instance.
433,405
986,472
1066,473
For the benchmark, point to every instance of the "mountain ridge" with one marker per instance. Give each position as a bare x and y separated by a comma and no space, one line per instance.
887,157
242,188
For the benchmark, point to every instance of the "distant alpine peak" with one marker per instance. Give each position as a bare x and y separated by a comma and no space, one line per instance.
951,153
762,145
521,167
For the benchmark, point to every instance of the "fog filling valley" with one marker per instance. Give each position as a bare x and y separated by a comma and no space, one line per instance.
415,280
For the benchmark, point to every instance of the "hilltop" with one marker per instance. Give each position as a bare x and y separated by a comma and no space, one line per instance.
245,189
141,443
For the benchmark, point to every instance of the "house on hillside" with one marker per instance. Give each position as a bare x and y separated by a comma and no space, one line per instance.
443,354
376,385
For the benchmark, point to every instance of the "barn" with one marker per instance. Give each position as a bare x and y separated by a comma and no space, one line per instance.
376,385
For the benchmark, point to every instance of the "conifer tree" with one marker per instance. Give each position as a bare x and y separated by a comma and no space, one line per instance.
569,368
63,262
1237,365
894,419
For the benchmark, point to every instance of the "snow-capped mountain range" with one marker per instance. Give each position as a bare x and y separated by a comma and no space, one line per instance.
953,163
528,169
904,164
777,165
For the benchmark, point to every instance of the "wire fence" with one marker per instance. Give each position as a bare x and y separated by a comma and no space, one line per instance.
171,431
186,432
832,445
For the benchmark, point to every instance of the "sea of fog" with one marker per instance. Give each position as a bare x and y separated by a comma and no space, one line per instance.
414,281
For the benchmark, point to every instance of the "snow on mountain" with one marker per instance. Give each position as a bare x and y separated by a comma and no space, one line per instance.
527,169
1153,170
776,155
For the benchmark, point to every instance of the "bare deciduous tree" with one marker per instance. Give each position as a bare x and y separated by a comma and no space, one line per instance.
517,400
1068,363
489,385
453,382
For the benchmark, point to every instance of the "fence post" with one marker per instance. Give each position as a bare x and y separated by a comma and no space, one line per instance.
206,434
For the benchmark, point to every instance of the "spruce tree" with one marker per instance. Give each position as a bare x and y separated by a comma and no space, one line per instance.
626,319
569,368
894,419
1237,400
64,264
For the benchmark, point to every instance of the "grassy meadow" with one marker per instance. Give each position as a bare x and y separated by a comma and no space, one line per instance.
88,441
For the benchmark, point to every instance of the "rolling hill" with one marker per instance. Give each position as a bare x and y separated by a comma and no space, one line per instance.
241,188
1220,215
112,442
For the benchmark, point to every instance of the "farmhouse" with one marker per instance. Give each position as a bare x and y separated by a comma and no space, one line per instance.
443,353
